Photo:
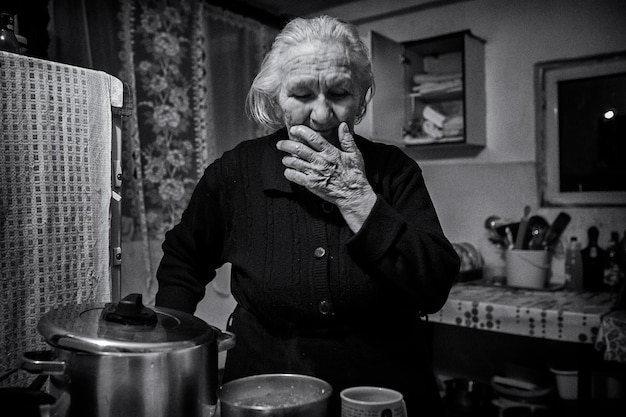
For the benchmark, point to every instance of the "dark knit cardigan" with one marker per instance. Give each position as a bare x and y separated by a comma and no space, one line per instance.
313,297
293,255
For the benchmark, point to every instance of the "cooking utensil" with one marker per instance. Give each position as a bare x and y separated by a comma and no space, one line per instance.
537,226
125,359
497,229
509,238
521,237
509,235
498,241
492,222
555,230
275,395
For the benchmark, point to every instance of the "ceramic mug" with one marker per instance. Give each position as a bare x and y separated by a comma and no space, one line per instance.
372,402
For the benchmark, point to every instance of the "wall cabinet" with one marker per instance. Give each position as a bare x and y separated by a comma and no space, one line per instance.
430,93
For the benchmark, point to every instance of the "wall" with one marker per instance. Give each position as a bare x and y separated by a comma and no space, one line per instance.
501,179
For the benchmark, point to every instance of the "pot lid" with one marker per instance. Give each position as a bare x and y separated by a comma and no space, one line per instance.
127,326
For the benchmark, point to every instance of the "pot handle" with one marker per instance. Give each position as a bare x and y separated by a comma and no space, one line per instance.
225,340
130,311
40,362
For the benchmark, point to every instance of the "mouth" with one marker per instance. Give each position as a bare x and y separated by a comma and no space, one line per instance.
324,129
331,131
327,132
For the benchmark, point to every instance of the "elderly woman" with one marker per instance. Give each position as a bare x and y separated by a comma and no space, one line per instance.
335,245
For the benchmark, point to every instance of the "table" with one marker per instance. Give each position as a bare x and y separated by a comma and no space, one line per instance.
561,315
554,314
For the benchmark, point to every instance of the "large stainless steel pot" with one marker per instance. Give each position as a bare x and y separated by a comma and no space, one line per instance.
277,395
124,359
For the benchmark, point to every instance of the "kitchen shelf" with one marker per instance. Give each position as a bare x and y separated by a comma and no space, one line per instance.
446,70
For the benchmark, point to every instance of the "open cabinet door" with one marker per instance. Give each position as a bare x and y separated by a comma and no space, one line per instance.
385,114
474,89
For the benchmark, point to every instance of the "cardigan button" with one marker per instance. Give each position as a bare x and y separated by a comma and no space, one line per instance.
327,207
325,307
319,252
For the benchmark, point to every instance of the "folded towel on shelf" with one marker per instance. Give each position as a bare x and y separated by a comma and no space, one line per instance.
453,126
422,78
427,84
438,87
434,116
432,130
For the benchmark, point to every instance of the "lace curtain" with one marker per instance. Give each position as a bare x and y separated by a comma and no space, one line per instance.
189,66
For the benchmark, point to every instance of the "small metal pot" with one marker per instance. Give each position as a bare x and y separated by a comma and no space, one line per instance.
278,395
126,360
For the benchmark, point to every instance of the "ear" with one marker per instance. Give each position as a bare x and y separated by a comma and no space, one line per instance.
365,99
275,112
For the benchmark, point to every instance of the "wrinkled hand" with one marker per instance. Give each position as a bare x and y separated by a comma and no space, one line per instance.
335,175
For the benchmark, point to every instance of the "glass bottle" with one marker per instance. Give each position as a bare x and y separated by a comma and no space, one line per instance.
8,41
593,262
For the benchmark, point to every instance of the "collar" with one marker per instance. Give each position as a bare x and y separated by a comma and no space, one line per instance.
272,168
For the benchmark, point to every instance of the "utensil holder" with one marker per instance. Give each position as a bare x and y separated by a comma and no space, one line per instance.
527,268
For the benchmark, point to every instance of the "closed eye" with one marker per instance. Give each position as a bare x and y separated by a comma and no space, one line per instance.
300,92
302,96
339,93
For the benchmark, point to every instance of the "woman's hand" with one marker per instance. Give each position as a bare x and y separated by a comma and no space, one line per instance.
335,175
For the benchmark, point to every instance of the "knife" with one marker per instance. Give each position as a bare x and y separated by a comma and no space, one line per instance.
555,230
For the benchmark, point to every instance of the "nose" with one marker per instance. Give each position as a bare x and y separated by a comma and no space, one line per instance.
321,111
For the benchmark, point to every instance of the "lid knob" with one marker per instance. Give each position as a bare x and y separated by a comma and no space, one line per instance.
130,311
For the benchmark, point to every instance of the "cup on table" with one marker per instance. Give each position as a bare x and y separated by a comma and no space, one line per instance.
372,402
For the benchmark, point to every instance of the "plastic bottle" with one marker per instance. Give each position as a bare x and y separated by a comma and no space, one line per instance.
574,265
8,41
593,262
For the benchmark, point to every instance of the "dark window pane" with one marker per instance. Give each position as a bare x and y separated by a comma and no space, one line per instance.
592,147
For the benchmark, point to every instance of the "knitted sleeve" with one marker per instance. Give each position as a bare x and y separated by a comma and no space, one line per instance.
192,249
402,240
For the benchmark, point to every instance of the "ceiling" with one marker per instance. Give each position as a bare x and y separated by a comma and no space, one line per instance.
294,8
277,12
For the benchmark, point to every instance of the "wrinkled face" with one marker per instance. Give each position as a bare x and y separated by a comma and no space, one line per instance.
319,89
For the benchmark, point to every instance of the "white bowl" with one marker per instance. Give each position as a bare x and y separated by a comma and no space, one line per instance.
566,383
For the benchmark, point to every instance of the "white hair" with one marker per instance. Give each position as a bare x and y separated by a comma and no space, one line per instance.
262,100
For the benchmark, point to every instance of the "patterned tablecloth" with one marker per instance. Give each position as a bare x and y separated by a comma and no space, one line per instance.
556,315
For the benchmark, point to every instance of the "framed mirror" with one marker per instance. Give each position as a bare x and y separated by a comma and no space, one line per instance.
581,131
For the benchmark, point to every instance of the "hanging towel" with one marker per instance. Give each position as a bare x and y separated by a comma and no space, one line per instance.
55,191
